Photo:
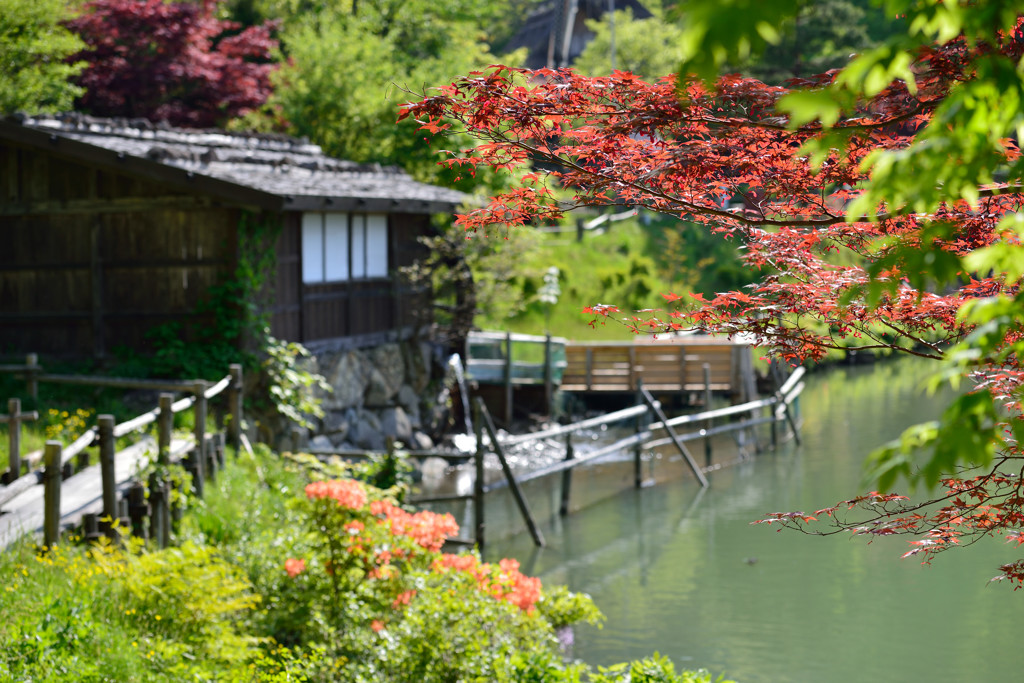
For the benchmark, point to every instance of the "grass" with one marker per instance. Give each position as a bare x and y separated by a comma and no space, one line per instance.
630,266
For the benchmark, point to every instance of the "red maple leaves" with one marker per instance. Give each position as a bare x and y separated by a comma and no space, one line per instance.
893,275
171,61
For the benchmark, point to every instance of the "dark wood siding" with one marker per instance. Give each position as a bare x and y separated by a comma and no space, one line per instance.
286,314
413,306
95,259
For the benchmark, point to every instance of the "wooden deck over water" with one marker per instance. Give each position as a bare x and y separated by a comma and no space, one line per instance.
675,365
524,371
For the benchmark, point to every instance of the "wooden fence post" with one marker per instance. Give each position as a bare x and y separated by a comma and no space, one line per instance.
32,375
138,509
90,527
164,428
14,418
200,435
51,493
570,454
160,518
211,457
218,450
478,480
707,406
105,427
235,406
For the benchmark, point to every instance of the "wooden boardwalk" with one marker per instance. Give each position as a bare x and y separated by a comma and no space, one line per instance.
524,371
675,365
81,493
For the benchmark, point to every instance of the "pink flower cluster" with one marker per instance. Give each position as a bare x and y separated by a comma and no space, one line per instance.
428,529
504,582
348,492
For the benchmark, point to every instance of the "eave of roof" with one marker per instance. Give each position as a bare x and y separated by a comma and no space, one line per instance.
266,171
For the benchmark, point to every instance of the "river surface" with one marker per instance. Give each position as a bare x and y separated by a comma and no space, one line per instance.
683,572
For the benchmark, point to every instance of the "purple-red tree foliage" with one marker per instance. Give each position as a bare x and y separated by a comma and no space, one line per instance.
171,61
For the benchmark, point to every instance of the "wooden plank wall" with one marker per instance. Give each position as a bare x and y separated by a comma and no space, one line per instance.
93,259
286,314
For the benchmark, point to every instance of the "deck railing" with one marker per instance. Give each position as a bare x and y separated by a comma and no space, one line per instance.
647,418
202,454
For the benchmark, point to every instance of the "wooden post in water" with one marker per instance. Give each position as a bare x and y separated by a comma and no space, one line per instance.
51,493
549,391
517,493
105,427
32,375
774,424
638,450
509,394
235,407
478,480
14,418
660,414
707,406
570,454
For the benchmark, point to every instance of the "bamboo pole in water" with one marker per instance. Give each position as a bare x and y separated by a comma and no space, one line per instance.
524,509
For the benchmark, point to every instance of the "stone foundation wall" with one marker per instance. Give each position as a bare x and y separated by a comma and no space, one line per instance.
393,390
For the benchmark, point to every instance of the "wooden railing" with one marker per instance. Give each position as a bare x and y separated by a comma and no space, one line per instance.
771,410
674,365
202,454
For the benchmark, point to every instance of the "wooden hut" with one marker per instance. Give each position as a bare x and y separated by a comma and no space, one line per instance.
111,227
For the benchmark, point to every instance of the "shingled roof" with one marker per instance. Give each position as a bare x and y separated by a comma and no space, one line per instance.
268,170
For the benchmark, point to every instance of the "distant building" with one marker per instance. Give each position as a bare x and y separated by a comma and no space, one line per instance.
110,227
556,32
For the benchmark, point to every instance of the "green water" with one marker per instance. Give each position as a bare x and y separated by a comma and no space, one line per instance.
674,568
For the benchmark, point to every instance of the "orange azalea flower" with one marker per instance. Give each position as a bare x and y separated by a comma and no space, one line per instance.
403,599
427,529
504,582
377,625
294,567
348,492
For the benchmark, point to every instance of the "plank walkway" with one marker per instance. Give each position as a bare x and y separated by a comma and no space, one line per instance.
80,494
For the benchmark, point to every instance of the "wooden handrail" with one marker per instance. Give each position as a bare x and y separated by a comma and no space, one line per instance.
217,388
563,465
618,415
